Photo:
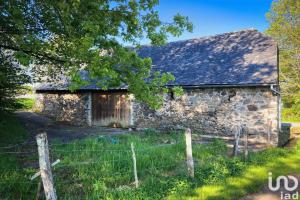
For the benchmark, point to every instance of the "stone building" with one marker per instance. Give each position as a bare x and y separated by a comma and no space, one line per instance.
228,80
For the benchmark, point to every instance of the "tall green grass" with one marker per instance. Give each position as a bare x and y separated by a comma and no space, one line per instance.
14,182
102,168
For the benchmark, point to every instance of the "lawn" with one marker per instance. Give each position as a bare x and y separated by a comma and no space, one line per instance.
26,103
11,173
11,131
101,168
291,114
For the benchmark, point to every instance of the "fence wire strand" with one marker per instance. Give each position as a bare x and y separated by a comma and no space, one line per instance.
151,161
18,152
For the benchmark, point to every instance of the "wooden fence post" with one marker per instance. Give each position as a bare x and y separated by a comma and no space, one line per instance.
236,142
45,168
39,193
245,145
136,180
189,153
39,172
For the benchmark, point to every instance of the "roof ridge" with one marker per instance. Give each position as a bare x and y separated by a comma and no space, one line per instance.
208,36
226,33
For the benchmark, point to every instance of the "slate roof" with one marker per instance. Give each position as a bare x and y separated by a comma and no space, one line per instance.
242,58
238,58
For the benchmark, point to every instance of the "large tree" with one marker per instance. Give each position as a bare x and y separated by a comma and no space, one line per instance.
61,36
284,18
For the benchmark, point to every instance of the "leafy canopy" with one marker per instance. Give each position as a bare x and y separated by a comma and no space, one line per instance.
66,37
284,18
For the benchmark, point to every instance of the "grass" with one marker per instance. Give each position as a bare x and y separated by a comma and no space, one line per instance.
12,176
101,168
26,103
253,177
11,131
291,114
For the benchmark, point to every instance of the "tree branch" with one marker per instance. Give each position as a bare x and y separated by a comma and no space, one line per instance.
38,55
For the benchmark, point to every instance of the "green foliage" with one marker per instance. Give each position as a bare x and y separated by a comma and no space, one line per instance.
12,78
284,18
14,181
66,38
277,161
11,130
291,114
26,103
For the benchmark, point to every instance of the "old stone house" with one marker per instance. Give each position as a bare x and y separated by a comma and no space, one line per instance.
228,79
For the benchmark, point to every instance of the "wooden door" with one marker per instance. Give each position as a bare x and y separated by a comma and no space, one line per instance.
111,109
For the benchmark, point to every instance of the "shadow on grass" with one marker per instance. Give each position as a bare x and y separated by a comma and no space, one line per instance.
253,179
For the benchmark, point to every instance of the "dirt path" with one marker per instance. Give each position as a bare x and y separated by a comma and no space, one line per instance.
35,124
267,194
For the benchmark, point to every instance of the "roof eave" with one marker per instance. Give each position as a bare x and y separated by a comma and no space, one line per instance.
169,86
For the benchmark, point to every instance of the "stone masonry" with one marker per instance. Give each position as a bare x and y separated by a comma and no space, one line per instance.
215,111
227,79
68,107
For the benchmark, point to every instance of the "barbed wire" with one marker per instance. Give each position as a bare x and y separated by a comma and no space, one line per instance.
119,155
89,162
15,145
113,150
88,150
18,152
17,169
12,181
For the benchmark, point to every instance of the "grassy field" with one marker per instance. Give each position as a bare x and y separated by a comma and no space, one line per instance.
11,172
11,131
101,168
291,114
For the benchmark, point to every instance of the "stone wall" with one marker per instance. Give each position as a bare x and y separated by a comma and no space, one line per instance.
215,111
67,107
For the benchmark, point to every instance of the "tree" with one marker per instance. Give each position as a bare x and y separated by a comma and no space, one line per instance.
60,36
284,18
12,80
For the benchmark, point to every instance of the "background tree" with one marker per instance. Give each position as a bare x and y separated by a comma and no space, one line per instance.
12,80
60,36
284,18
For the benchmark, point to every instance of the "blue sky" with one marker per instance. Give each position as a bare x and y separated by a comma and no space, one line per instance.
217,16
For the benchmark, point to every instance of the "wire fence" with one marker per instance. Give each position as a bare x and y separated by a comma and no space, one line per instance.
101,161
116,156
